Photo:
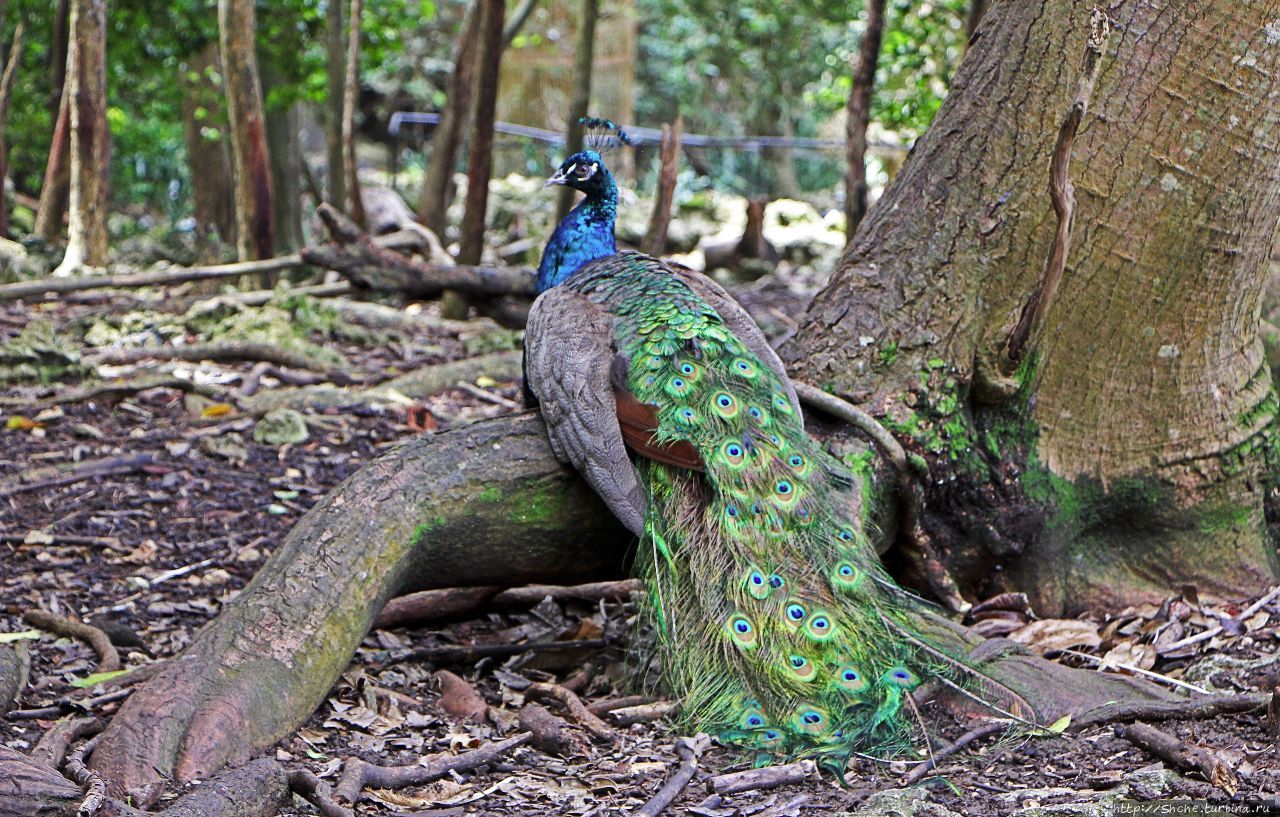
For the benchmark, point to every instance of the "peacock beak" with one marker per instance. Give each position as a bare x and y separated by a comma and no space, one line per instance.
558,177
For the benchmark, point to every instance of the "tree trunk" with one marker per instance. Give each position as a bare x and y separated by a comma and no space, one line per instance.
977,8
90,150
336,68
859,117
350,98
6,94
58,56
283,125
55,190
205,130
480,166
1129,454
254,211
579,107
438,183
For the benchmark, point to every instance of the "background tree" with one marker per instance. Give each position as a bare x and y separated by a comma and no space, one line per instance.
336,72
255,234
89,145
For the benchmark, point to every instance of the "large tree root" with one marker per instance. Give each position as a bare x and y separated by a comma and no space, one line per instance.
484,504
481,504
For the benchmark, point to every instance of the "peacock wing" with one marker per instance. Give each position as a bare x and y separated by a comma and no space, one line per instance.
740,322
569,354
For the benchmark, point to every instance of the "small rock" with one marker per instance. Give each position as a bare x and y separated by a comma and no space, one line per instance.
281,427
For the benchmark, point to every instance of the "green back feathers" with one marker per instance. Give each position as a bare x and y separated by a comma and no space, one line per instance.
775,623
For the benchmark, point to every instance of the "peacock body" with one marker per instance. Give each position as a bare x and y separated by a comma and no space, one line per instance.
776,626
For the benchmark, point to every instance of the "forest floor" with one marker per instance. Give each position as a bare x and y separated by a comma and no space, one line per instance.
151,547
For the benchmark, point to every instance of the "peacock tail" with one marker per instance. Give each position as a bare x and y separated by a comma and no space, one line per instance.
775,623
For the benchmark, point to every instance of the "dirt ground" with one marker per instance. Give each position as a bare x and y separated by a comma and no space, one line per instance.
153,553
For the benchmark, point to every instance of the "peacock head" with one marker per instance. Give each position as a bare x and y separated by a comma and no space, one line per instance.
584,171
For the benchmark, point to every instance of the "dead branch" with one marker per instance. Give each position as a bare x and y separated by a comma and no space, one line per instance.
74,540
1063,194
95,788
621,590
1183,755
689,750
417,384
644,713
53,744
67,704
221,352
37,479
1206,706
571,702
433,605
552,734
316,792
49,288
767,778
108,658
358,258
468,653
358,774
608,705
991,728
655,238
113,389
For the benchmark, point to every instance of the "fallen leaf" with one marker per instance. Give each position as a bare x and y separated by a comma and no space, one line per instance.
217,410
19,423
1057,634
1131,653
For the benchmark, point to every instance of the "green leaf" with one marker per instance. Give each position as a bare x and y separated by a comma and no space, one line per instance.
97,678
25,635
285,495
1060,725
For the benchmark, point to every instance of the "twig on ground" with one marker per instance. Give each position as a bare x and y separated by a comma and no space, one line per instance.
45,287
1183,755
433,605
987,729
571,702
108,657
37,479
690,751
766,778
316,792
95,788
42,539
53,744
488,396
462,653
66,704
358,773
552,734
110,389
608,705
594,591
644,713
223,352
1216,629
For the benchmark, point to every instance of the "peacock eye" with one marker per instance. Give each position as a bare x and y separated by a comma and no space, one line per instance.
584,171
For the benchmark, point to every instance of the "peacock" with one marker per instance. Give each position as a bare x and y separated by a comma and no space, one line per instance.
775,624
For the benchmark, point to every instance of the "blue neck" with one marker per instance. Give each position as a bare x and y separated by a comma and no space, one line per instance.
583,236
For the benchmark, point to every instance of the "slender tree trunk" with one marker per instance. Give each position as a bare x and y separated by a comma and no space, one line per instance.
255,230
516,21
579,107
90,150
481,165
206,133
58,56
350,98
6,93
1134,450
859,117
283,125
434,203
336,67
55,191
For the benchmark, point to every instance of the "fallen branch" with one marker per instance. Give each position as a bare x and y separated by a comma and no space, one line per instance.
53,745
467,653
67,704
50,288
38,479
108,658
552,734
990,728
690,751
316,792
608,705
358,258
357,774
111,389
1183,755
222,352
571,702
767,778
95,788
620,590
644,713
433,605
41,538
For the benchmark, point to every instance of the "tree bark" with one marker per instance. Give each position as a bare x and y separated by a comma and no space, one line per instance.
205,131
580,104
55,190
1130,453
655,238
977,8
90,150
859,117
255,231
58,56
350,98
336,71
438,183
283,125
